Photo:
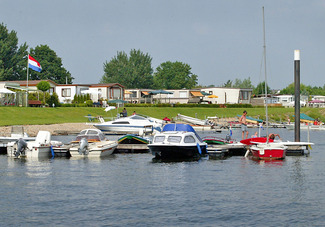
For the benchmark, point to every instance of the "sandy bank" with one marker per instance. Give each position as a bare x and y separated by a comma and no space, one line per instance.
55,129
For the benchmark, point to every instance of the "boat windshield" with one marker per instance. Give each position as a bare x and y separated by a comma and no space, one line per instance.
159,139
174,139
137,117
189,139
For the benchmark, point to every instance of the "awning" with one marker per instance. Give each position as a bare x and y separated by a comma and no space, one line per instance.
145,92
197,93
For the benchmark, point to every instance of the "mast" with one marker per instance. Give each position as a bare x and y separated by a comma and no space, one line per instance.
266,113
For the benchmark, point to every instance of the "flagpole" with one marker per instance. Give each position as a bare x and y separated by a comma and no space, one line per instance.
27,82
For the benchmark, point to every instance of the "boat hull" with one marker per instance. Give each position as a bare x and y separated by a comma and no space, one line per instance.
95,150
124,129
170,152
267,152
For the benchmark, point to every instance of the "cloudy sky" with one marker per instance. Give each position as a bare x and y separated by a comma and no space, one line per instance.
220,39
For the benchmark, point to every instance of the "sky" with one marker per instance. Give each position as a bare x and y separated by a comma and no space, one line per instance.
220,39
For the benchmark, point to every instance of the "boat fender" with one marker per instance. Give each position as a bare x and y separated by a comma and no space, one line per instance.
199,148
52,151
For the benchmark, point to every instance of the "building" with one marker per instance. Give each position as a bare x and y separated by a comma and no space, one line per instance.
183,96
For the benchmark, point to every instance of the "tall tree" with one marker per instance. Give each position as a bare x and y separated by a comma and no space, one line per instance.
174,75
52,67
43,86
134,71
13,59
260,89
246,83
228,84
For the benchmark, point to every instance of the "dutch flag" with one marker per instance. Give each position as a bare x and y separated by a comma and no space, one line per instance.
33,64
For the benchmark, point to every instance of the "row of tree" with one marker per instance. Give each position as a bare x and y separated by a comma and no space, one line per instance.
133,71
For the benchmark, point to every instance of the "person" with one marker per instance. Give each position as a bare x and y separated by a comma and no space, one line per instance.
255,135
125,113
272,136
242,121
134,113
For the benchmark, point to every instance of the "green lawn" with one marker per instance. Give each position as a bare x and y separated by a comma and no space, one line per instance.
30,115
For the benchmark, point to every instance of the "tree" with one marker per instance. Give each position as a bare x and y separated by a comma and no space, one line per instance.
260,89
174,75
13,59
246,83
52,68
132,72
228,84
43,86
304,90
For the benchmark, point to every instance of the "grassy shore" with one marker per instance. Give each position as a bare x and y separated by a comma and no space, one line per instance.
40,116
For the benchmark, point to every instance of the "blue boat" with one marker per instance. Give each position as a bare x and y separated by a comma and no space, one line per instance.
178,142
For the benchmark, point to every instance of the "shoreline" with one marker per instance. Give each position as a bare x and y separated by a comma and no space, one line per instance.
54,129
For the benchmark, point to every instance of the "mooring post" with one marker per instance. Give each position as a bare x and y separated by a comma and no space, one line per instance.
297,94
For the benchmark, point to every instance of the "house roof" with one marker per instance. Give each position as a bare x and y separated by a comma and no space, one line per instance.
106,85
31,82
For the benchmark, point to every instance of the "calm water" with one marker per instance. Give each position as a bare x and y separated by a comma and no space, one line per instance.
131,190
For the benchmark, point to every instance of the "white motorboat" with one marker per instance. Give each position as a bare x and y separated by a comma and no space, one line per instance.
17,132
92,143
135,124
40,148
178,142
306,127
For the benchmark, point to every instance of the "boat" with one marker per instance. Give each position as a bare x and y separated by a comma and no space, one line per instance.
17,132
39,148
306,126
192,120
135,124
214,140
91,143
265,150
132,143
178,142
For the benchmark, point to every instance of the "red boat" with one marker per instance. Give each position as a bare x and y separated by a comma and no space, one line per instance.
265,150
268,151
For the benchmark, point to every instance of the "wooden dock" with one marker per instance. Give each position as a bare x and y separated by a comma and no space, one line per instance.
239,149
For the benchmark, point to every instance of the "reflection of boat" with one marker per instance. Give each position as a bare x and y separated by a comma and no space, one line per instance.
40,148
132,143
92,143
178,141
132,124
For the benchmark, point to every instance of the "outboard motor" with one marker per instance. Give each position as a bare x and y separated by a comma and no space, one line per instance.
21,146
83,146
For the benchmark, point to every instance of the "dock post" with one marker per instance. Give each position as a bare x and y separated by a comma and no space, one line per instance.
297,94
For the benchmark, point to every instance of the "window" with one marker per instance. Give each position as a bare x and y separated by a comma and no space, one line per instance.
66,92
183,94
159,139
174,139
116,93
134,94
189,139
244,95
121,122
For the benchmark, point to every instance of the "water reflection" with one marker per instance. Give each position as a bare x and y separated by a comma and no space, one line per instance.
297,179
